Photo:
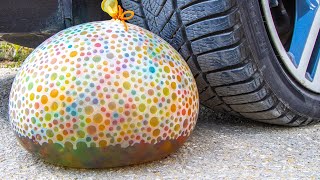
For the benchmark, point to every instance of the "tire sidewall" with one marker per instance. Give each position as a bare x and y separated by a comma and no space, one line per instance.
287,90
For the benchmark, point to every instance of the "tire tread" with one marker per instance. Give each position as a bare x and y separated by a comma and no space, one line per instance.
209,36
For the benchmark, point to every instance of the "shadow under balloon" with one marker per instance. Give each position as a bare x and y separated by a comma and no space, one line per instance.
5,87
221,122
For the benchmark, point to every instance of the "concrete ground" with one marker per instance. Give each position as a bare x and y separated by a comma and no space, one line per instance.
221,146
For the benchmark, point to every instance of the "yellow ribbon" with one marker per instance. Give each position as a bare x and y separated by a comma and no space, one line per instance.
116,12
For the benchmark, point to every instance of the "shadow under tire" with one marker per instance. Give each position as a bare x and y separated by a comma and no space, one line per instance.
227,47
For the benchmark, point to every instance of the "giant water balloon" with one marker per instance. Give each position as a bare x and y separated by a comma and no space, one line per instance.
96,95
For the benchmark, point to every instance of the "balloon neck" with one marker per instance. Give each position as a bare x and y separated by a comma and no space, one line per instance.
116,12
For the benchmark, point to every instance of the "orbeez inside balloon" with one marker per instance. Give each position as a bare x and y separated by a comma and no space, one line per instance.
95,96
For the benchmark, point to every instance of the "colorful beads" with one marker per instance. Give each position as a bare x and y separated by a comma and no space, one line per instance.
95,95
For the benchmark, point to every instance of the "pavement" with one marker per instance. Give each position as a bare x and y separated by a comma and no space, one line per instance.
221,147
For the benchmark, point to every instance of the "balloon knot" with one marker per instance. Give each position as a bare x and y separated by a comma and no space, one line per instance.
116,12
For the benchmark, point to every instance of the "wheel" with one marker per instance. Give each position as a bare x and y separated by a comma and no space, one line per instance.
256,59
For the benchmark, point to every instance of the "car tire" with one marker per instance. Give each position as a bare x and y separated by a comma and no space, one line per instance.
227,47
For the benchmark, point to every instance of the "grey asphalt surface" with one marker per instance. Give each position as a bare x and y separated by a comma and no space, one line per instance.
221,147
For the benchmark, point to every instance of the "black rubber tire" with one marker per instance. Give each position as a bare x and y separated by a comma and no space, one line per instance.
226,45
